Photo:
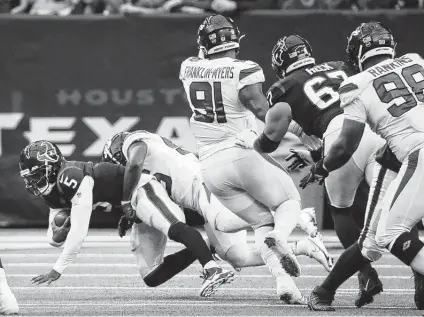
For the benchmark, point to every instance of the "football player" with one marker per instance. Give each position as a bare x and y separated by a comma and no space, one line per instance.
82,185
8,303
387,93
225,95
179,171
308,93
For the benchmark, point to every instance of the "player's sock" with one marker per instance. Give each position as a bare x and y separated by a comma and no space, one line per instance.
286,218
172,265
345,226
348,264
269,257
192,239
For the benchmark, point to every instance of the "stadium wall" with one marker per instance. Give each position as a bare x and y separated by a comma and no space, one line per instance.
78,80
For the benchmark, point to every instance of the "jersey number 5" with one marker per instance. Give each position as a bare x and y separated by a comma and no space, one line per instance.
391,86
322,91
206,102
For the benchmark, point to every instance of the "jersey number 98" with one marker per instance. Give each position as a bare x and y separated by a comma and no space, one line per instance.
206,102
391,86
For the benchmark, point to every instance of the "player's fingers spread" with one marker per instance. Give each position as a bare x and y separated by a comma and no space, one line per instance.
291,156
36,278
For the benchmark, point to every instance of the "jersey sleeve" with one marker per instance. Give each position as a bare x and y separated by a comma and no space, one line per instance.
250,73
184,64
130,140
69,181
81,211
349,92
275,93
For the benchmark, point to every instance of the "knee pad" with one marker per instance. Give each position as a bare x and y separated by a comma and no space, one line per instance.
406,247
176,231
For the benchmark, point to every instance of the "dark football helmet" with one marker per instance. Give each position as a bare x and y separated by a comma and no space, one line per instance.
218,34
290,53
368,40
112,151
39,163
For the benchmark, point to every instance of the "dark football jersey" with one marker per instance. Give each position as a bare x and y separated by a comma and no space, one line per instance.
312,94
108,183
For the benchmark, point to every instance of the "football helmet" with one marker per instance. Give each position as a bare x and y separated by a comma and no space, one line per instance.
368,40
290,53
218,34
112,151
39,164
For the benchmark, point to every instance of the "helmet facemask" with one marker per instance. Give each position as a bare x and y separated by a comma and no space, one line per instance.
40,180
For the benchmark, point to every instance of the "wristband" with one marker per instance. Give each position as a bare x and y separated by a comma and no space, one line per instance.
265,144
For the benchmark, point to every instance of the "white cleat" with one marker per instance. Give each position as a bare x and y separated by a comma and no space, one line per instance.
288,291
8,303
214,278
311,247
318,241
284,253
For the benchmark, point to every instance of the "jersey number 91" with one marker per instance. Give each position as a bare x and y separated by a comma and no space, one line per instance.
206,102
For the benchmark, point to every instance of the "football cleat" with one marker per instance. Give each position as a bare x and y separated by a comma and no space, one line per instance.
369,286
288,291
214,278
284,253
419,290
320,253
312,248
321,300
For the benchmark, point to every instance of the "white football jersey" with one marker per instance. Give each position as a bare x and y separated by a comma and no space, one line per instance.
173,166
390,98
212,88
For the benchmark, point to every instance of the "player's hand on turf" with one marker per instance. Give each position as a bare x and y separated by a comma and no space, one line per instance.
317,173
298,159
61,233
123,226
46,278
246,138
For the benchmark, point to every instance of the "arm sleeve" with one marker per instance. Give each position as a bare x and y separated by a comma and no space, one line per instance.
355,110
52,214
81,210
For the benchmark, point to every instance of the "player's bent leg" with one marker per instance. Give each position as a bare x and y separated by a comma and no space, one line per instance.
8,303
154,207
270,185
233,248
403,208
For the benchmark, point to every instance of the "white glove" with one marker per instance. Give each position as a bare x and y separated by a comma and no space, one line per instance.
246,138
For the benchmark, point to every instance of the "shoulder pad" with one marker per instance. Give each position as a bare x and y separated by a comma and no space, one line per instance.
342,66
69,180
276,92
183,64
352,87
137,136
413,56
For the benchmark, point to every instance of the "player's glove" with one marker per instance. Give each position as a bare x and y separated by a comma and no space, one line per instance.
123,226
298,159
317,173
246,138
46,278
129,211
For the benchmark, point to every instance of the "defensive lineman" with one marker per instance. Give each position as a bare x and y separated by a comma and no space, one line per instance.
225,95
388,94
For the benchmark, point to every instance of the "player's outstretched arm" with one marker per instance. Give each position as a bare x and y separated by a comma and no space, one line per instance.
252,97
82,202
